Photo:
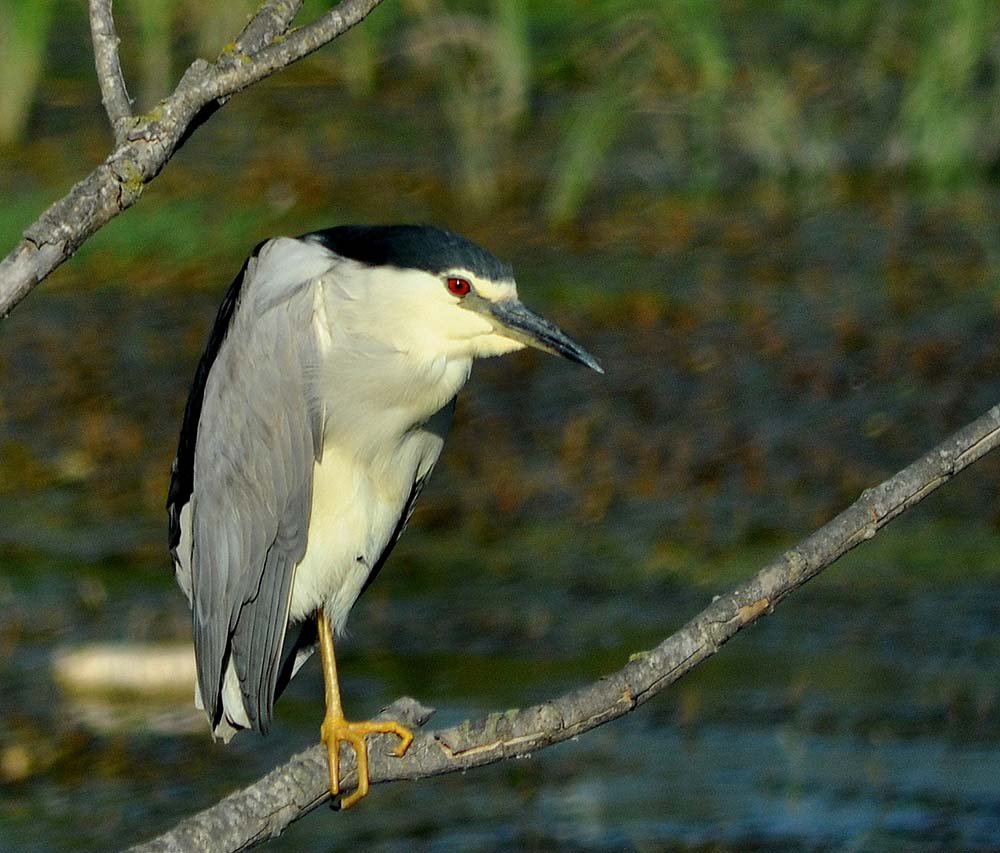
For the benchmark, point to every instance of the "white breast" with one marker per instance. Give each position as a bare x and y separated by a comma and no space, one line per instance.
385,414
355,509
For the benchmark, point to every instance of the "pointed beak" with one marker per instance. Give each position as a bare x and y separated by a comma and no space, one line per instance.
520,324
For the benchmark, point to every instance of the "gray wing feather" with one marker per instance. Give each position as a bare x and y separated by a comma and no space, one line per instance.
258,634
257,440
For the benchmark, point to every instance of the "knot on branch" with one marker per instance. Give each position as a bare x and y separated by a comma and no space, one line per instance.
948,459
131,181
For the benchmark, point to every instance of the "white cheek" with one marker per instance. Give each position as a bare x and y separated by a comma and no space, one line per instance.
491,345
464,324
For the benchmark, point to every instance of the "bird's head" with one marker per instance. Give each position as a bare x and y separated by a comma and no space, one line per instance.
434,293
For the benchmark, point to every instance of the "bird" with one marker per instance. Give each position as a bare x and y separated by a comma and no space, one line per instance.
317,412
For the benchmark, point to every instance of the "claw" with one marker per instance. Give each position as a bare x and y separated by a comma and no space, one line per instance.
336,730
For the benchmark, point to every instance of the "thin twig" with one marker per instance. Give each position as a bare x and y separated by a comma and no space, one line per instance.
272,20
298,43
287,793
114,95
151,141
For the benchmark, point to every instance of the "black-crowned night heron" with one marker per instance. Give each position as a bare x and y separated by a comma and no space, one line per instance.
317,413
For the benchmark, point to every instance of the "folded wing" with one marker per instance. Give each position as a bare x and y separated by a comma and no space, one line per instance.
258,434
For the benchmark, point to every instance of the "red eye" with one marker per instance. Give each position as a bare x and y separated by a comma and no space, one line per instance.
459,286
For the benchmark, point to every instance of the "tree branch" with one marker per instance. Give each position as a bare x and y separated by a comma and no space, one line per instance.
287,793
114,95
272,20
296,45
153,138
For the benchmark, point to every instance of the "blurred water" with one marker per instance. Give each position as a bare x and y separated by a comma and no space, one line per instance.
844,721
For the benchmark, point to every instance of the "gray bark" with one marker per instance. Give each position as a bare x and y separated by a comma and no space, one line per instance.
115,97
265,808
145,143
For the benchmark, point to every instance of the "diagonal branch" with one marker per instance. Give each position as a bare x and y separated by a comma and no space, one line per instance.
272,20
297,44
287,793
114,95
152,139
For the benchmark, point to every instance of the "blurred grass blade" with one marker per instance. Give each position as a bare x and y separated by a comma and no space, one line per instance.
512,58
594,127
24,30
155,33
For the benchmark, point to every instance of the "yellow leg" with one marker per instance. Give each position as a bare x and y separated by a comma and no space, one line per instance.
336,729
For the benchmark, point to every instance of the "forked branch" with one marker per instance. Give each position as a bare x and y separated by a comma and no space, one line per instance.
146,143
265,808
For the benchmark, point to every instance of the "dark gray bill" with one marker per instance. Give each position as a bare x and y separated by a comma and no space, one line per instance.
521,324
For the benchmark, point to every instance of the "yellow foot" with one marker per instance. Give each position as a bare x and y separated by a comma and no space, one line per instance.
336,730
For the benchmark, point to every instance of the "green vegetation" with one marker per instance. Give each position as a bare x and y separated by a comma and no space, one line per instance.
24,32
797,90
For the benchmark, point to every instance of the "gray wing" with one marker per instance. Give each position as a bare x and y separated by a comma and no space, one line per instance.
258,436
